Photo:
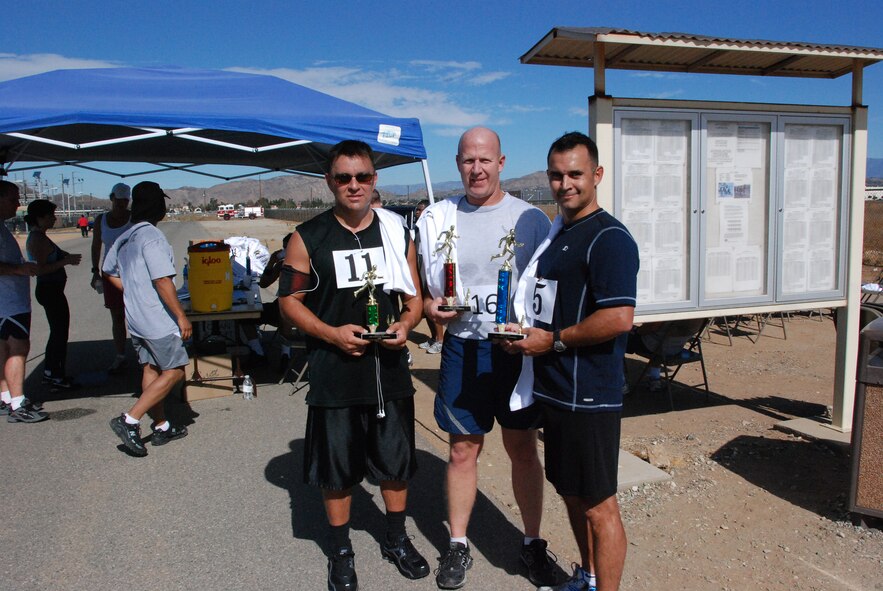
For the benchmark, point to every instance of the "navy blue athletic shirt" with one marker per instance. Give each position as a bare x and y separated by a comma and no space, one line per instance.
595,263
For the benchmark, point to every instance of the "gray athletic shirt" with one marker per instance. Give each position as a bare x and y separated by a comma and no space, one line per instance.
480,230
139,256
15,289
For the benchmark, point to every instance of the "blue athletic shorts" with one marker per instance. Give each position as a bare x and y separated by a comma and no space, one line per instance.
164,353
476,379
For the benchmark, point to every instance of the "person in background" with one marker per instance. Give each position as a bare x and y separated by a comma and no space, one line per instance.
436,331
15,318
83,225
376,201
476,377
51,280
579,294
108,227
141,263
360,418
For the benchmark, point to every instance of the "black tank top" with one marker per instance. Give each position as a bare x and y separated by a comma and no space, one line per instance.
338,258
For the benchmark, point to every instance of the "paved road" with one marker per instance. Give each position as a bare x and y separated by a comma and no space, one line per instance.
222,509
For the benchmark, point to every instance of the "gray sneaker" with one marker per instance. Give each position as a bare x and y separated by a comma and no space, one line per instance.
28,412
426,344
435,348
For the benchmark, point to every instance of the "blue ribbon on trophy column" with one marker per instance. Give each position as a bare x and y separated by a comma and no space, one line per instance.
503,280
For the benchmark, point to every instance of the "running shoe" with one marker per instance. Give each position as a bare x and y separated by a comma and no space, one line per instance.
28,412
426,344
172,433
402,553
342,571
130,435
577,582
435,348
4,409
56,384
539,562
452,567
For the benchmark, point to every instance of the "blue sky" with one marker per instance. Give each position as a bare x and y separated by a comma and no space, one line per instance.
451,64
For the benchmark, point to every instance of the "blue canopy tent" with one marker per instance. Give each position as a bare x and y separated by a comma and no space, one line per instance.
180,119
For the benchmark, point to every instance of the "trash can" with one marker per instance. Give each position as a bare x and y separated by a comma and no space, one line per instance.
866,481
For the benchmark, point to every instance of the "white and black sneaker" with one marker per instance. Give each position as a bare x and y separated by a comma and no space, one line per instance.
57,384
130,435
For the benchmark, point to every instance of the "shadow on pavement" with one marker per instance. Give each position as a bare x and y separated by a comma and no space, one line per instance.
490,532
814,477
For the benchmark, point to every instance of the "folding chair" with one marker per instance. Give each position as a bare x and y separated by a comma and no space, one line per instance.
670,365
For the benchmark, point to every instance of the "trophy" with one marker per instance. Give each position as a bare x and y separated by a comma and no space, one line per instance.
504,280
372,309
447,238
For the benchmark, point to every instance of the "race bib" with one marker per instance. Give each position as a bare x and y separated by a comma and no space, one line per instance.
351,265
483,299
539,298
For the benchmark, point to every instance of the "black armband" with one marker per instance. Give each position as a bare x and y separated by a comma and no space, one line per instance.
292,281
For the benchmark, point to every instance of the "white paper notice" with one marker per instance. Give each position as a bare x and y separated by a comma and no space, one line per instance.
668,279
668,231
721,149
671,141
637,140
733,223
749,145
797,187
794,271
640,225
748,266
821,270
718,271
637,185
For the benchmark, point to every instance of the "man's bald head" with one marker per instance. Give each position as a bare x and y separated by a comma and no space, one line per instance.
482,134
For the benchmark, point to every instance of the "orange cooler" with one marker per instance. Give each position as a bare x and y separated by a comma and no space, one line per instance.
211,277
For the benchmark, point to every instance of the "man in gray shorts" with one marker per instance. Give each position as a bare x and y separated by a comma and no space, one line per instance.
15,318
141,263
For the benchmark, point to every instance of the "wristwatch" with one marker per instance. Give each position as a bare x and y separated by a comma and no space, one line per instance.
557,345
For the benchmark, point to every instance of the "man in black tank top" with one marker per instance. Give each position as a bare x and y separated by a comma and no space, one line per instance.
360,418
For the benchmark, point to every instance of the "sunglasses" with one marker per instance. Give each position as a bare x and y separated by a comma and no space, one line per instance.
363,178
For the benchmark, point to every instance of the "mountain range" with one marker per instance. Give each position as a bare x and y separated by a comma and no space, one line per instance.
302,189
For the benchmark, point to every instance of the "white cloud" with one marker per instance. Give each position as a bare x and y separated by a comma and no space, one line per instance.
437,65
15,66
524,108
378,91
578,111
488,78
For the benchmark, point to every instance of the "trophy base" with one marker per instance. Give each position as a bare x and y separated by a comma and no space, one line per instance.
377,336
506,336
455,308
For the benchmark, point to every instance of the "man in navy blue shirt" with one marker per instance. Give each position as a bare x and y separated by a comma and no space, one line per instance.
580,299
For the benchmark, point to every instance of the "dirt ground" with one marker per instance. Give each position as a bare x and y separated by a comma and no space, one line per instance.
748,506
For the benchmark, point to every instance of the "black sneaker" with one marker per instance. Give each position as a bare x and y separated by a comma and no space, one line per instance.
4,409
452,567
172,433
28,412
402,553
540,563
342,571
129,434
63,383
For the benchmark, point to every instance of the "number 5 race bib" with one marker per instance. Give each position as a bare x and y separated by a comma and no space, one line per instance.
539,299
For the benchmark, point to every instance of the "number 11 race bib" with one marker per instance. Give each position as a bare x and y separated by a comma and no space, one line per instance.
351,265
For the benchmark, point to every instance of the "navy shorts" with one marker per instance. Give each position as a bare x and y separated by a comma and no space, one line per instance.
17,326
343,445
475,383
581,452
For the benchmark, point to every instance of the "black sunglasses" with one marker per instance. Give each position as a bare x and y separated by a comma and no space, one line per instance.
363,178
